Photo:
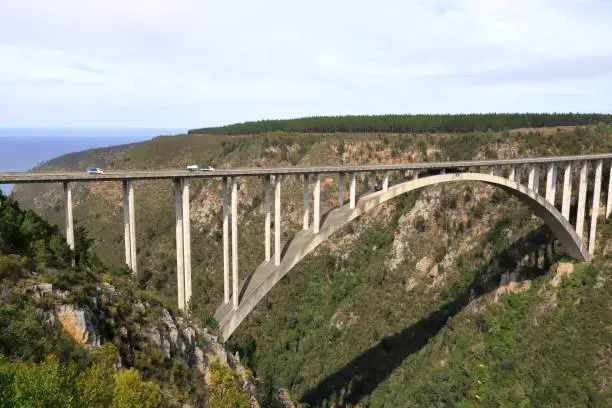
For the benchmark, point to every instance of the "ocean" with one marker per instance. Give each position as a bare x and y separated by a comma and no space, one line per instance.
22,149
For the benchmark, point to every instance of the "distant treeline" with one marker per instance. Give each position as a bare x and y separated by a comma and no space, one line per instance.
410,123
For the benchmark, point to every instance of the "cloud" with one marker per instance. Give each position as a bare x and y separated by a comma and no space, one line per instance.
191,63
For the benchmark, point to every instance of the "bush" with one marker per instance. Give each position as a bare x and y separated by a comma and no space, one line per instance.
132,392
225,392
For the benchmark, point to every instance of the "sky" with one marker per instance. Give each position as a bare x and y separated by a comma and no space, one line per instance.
196,63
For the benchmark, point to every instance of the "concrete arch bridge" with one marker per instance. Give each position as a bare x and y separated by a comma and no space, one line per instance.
518,177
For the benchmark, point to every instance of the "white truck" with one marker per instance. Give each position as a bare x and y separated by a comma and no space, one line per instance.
194,167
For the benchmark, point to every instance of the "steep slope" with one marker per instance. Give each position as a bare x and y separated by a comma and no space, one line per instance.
83,335
401,307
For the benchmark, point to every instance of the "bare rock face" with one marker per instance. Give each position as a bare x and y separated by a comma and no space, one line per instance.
81,324
41,289
564,269
425,264
174,336
410,284
286,399
422,211
343,319
510,283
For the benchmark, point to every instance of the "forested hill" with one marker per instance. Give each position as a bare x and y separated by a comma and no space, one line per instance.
411,123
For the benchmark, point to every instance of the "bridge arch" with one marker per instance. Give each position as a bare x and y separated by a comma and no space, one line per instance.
265,277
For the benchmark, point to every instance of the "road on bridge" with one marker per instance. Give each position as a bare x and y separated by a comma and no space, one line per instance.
50,177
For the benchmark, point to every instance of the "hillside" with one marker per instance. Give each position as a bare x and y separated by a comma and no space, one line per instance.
83,335
450,296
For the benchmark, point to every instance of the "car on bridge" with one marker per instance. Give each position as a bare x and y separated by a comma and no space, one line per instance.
95,170
194,167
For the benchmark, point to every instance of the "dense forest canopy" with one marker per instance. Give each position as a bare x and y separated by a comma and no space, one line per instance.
411,123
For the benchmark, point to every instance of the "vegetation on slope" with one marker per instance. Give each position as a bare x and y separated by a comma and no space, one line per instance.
41,365
345,327
410,123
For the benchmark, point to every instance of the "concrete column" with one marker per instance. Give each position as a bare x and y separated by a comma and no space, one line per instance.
536,178
609,198
567,190
132,226
582,190
234,217
68,215
277,220
341,189
512,172
517,174
353,185
129,225
180,272
551,183
186,241
306,203
385,184
226,268
497,171
415,174
595,209
531,180
267,209
126,224
317,203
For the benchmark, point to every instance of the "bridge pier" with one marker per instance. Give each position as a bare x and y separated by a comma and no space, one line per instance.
234,217
186,241
267,220
340,189
183,242
531,177
609,197
129,225
385,183
582,189
277,219
306,203
317,203
533,181
352,189
68,215
180,255
512,173
567,190
551,183
517,174
226,278
595,209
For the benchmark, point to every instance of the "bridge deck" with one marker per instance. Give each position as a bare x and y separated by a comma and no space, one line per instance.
51,177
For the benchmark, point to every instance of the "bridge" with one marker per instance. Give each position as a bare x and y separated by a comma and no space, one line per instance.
241,296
